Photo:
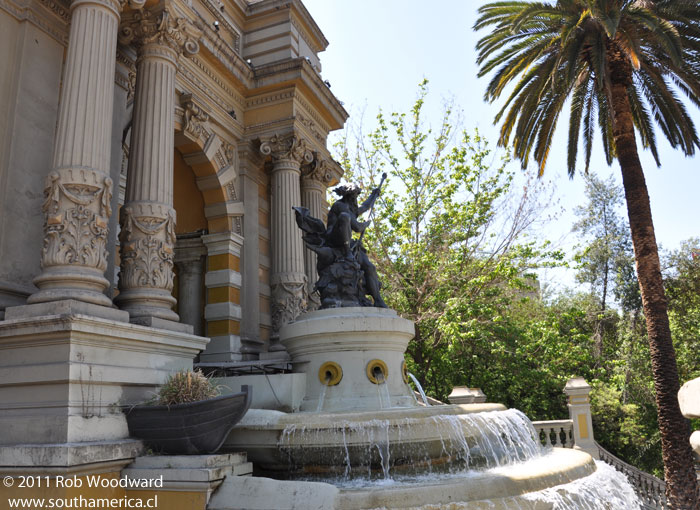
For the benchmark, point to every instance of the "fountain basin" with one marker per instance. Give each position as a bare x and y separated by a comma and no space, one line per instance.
496,488
377,445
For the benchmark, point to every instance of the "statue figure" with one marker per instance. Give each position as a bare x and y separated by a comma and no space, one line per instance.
346,275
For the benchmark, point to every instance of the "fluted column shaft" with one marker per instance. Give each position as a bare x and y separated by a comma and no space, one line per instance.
312,197
78,189
147,235
288,278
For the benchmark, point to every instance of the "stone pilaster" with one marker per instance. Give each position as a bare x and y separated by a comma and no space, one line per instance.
288,279
223,310
148,219
78,189
314,181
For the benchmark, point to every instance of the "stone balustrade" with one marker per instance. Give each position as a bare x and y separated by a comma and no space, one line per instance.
651,490
555,433
577,432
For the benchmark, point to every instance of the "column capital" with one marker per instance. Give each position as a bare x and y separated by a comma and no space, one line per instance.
287,147
160,27
320,171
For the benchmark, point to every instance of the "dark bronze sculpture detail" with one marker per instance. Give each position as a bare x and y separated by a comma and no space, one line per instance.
346,275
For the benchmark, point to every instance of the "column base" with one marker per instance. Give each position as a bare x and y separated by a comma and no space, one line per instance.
65,307
58,283
146,303
155,322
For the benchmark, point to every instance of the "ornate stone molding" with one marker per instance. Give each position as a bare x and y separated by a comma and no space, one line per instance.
193,117
320,171
287,147
77,210
288,302
161,28
147,239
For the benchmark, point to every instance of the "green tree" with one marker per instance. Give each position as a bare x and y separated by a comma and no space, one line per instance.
621,64
448,241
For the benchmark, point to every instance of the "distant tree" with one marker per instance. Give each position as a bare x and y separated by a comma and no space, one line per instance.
606,260
621,63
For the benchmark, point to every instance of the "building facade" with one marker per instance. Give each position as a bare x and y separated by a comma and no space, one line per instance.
150,156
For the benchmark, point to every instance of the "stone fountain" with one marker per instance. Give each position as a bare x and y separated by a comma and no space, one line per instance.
361,439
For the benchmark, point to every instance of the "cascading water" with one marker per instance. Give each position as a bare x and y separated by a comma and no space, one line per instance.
420,388
384,449
372,443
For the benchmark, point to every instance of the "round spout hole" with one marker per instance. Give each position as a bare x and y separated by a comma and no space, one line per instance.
377,371
330,373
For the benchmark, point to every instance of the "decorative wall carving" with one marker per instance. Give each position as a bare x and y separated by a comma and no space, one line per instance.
288,302
77,209
289,146
147,243
194,116
313,129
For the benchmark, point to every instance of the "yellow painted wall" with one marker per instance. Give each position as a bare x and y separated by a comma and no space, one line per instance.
188,200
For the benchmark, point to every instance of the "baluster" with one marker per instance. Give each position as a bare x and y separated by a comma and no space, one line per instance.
548,439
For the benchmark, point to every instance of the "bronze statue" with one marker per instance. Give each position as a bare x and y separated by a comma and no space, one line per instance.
346,275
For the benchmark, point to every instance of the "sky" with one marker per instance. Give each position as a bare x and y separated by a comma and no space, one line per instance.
380,50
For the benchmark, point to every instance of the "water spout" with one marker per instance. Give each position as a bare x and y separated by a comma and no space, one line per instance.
322,396
420,388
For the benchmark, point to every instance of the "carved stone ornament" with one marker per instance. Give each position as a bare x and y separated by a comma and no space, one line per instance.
77,210
320,171
145,27
134,4
147,244
290,147
288,302
194,116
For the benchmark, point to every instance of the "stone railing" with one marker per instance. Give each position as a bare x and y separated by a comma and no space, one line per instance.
651,490
557,433
577,432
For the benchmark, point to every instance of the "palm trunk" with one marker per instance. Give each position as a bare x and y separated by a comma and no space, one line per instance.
681,482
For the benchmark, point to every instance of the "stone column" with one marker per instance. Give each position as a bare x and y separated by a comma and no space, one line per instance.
577,391
288,279
190,254
78,189
147,235
314,182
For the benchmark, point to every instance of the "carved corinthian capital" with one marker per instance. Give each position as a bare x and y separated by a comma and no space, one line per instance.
160,27
320,171
287,147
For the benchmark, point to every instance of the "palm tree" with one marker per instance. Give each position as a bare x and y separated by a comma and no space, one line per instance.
620,65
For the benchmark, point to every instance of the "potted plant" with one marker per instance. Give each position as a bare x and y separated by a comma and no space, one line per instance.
187,416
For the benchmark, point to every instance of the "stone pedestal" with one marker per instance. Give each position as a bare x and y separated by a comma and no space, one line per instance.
352,358
184,481
66,376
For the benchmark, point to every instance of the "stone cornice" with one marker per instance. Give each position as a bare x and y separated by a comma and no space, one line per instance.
310,27
300,70
49,15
